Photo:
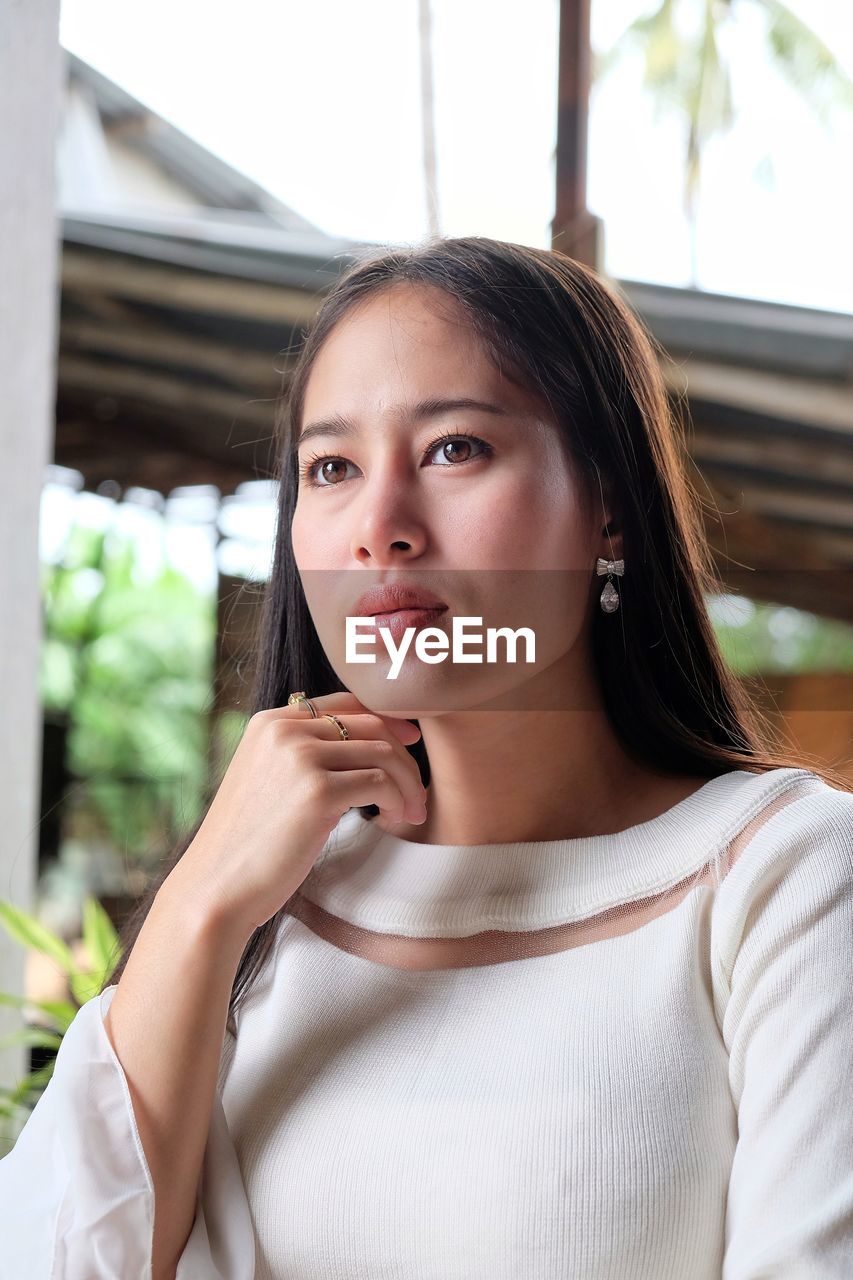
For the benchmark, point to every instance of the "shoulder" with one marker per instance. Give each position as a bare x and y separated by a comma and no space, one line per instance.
816,821
803,820
796,869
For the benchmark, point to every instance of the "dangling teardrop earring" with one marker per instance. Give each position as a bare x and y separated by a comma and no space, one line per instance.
610,596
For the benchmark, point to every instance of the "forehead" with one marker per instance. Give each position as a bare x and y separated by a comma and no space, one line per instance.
403,344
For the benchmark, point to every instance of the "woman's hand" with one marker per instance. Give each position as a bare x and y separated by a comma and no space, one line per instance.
289,782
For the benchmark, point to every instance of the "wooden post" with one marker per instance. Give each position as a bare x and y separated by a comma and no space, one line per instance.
574,230
30,79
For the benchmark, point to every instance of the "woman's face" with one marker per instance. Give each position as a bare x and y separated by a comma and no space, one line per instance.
491,520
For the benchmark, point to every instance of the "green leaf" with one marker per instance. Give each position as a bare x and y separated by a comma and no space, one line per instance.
62,1012
34,1036
31,933
806,62
30,1083
100,937
85,985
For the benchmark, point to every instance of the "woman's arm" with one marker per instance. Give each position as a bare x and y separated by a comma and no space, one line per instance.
76,1195
784,971
166,1024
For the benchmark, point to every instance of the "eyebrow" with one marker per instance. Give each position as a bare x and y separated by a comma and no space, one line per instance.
339,425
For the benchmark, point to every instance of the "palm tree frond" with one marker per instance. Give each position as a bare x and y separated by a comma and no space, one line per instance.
706,100
805,61
652,33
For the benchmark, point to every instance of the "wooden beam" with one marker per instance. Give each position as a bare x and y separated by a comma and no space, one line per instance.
106,273
166,451
79,373
574,230
174,349
817,510
741,539
799,462
785,397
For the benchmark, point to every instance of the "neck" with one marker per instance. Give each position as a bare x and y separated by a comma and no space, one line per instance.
515,775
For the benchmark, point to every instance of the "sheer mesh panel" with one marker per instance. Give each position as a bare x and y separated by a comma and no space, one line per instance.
493,946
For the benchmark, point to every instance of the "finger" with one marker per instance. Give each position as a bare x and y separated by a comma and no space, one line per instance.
346,701
358,754
340,703
356,787
370,728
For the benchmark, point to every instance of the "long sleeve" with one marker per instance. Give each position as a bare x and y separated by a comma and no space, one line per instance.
76,1196
783,955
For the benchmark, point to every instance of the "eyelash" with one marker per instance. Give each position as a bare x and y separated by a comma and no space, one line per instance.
308,469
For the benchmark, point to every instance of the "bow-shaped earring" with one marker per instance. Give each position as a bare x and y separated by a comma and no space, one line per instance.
610,596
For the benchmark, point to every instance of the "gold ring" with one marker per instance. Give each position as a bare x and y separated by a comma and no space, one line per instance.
296,698
342,729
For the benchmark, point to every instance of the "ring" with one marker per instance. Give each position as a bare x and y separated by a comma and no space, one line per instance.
296,698
342,729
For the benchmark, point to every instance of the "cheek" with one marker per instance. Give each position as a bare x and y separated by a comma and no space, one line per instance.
297,539
311,540
524,520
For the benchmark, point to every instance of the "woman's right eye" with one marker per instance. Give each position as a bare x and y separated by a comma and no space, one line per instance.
308,470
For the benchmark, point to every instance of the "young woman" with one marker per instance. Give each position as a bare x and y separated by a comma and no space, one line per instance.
557,981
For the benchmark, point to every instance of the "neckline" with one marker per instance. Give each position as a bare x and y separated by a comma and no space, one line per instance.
567,842
378,880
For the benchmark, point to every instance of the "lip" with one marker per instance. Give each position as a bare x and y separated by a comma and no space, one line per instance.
395,598
398,621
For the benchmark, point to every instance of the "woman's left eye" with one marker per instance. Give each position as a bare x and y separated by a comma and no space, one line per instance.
308,471
446,440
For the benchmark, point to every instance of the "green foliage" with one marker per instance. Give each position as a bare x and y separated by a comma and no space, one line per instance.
806,61
103,951
128,662
777,639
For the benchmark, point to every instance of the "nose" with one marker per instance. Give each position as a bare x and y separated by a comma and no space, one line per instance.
387,525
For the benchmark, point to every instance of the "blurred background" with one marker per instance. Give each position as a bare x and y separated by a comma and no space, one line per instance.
192,178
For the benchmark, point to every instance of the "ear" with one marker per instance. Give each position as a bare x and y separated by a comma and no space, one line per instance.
609,529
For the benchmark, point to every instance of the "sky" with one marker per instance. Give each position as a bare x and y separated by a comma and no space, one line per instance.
320,103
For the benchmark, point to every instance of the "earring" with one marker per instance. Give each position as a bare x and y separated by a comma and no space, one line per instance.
610,596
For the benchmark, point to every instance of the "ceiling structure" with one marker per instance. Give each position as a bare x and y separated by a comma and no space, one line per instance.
176,338
174,341
768,390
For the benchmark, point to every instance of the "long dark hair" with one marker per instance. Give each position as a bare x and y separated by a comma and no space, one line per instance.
567,333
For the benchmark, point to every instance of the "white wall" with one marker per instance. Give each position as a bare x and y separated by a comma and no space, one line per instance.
30,70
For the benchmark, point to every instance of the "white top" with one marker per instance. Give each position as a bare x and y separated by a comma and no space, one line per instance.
623,1056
